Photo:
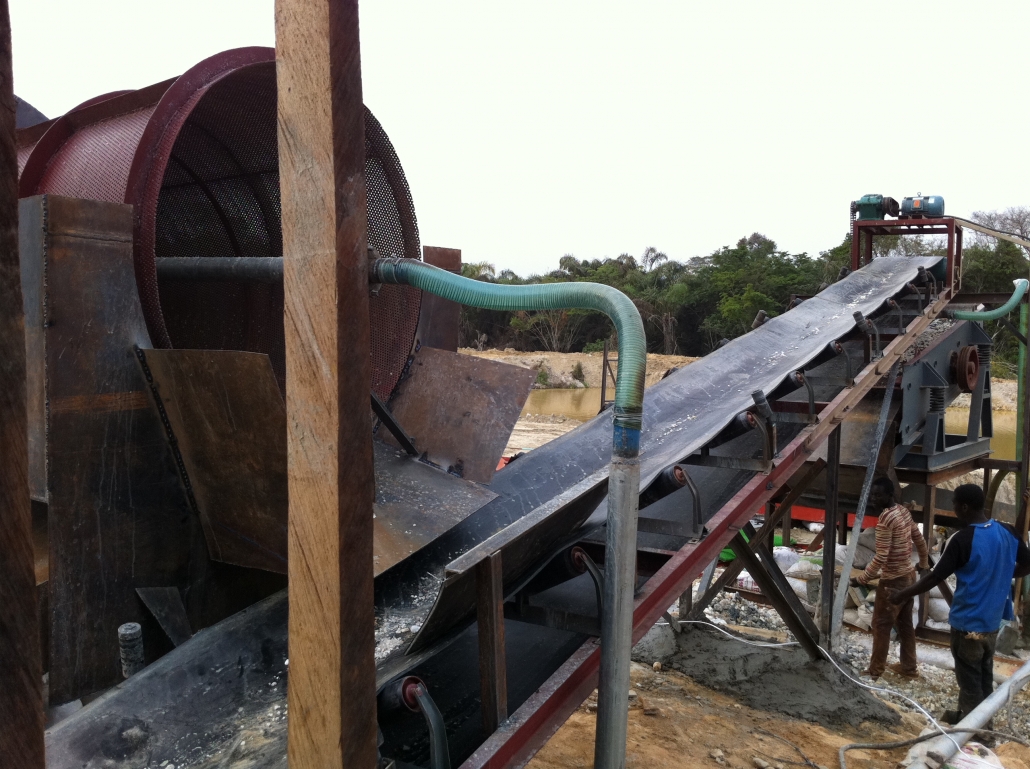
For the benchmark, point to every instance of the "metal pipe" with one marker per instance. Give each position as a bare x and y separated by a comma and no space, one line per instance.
411,693
617,615
939,750
439,753
254,269
623,477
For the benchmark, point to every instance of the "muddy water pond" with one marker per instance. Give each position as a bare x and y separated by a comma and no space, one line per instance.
580,404
583,404
1004,441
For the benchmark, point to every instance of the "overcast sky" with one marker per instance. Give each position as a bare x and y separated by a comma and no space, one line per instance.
530,130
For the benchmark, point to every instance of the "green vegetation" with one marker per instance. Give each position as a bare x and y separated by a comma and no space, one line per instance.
577,372
688,307
543,378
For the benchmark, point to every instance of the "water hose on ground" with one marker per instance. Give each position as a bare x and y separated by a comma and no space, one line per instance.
623,478
998,312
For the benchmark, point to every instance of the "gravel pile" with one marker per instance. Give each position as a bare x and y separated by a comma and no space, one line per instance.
733,609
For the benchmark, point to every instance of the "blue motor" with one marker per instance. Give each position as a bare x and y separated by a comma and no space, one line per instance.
931,206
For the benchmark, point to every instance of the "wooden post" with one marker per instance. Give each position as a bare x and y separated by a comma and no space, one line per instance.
332,714
493,676
21,694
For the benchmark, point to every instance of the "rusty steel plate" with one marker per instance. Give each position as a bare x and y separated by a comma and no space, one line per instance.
415,504
229,423
460,410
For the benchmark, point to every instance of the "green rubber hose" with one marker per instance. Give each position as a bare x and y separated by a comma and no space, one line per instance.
1000,312
629,383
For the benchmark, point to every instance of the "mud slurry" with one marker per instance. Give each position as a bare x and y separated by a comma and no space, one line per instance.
783,680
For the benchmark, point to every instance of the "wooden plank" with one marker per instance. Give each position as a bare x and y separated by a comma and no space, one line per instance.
493,681
21,694
118,517
332,709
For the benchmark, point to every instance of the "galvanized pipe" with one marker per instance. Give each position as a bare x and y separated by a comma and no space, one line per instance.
934,753
617,616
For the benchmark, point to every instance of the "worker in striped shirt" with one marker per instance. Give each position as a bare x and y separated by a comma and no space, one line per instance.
896,532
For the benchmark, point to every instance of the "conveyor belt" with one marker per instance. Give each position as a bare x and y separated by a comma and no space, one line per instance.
681,414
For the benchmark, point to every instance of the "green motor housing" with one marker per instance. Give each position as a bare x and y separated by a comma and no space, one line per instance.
875,207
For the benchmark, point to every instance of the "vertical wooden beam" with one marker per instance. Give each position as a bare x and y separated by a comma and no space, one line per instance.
493,679
332,718
21,694
827,587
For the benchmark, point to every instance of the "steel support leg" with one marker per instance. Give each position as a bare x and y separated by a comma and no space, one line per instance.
775,587
829,551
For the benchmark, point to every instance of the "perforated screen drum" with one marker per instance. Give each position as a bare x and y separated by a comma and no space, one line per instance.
220,198
198,159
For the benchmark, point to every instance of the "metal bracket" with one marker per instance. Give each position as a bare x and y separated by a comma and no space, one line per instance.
901,321
1013,330
849,375
582,560
799,378
867,327
919,297
386,417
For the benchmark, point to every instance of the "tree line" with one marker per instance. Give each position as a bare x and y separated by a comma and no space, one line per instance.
689,307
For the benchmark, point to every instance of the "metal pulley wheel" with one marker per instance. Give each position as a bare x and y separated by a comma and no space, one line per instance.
965,366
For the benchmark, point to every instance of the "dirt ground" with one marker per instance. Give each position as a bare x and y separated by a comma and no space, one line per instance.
676,722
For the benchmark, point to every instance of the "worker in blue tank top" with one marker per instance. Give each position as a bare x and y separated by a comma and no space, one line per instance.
984,555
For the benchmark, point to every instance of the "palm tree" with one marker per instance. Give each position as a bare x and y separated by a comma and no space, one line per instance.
478,270
652,258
